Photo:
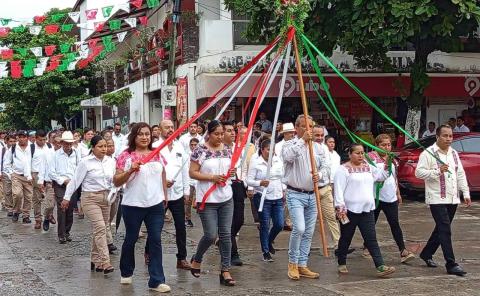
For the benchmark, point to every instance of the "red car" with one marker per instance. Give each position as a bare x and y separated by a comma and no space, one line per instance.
468,147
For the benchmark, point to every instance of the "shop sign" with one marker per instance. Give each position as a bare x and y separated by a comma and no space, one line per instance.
182,99
169,95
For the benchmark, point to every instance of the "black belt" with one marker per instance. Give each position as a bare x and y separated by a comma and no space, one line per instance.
299,190
321,187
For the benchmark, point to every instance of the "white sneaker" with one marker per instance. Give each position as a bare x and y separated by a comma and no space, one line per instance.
126,280
162,288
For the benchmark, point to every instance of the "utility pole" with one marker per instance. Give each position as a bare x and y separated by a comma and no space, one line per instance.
173,41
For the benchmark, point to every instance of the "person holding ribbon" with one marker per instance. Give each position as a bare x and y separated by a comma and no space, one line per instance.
144,201
95,173
273,203
355,205
388,194
210,164
444,177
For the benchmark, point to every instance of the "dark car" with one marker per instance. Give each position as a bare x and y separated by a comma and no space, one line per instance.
468,147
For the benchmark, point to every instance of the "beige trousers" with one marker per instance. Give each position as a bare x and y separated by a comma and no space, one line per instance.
22,191
37,198
328,212
7,190
113,212
97,210
50,200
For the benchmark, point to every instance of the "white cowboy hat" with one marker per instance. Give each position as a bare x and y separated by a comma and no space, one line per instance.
67,136
287,127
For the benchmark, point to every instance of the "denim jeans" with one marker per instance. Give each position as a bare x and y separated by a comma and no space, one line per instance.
153,218
271,209
216,219
303,212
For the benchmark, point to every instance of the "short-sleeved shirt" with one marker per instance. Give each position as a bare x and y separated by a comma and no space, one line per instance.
144,188
214,163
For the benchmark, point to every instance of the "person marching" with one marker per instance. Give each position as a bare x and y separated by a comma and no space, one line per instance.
443,181
95,173
144,201
209,164
178,188
301,198
115,203
10,140
355,205
190,202
273,204
18,161
39,151
64,163
389,195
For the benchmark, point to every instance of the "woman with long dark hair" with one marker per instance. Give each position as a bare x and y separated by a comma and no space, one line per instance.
95,173
210,163
144,199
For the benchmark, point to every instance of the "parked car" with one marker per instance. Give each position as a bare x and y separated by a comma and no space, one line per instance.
468,147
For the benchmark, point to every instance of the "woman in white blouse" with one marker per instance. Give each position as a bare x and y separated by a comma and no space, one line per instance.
94,173
334,157
144,200
273,203
209,165
355,205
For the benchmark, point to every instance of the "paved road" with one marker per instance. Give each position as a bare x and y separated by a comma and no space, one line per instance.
33,263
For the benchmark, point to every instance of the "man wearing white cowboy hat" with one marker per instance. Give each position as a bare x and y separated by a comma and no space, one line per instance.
62,171
288,132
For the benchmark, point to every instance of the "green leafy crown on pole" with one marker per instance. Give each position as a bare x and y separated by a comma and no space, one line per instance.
293,13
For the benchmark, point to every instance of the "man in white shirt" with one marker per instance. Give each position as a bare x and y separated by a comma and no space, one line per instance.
461,127
62,171
18,162
45,182
7,176
118,139
178,187
444,177
192,133
39,151
430,131
301,198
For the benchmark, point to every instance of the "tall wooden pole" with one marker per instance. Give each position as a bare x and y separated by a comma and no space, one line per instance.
310,145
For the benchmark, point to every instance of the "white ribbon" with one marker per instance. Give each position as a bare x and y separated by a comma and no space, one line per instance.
37,51
75,16
275,120
121,36
124,6
35,30
131,21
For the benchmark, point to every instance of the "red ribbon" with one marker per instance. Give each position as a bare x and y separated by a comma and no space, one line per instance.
238,149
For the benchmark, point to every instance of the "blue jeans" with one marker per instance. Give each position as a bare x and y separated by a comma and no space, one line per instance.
216,220
271,209
153,218
303,212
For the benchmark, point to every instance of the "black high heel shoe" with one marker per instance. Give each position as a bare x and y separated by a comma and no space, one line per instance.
226,282
108,270
97,269
194,271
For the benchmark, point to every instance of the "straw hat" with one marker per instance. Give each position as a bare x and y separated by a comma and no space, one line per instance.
67,137
287,127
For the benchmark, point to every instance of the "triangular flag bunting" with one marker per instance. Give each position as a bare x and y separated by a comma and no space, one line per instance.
43,62
137,3
67,27
50,49
39,19
64,48
53,65
35,30
143,20
84,53
38,71
16,69
57,17
37,51
75,16
107,10
124,6
92,42
121,36
4,31
6,54
91,14
3,73
82,25
51,29
19,29
5,21
71,65
3,65
131,21
115,24
153,3
22,51
98,27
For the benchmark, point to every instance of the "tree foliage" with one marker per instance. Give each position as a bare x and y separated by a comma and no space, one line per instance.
33,102
368,29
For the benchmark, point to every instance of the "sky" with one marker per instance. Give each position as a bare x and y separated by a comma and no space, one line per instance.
24,10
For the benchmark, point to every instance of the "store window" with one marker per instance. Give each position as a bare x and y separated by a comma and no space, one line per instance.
240,23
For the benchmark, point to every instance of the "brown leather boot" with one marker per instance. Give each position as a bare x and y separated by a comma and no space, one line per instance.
305,272
38,224
293,271
183,264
